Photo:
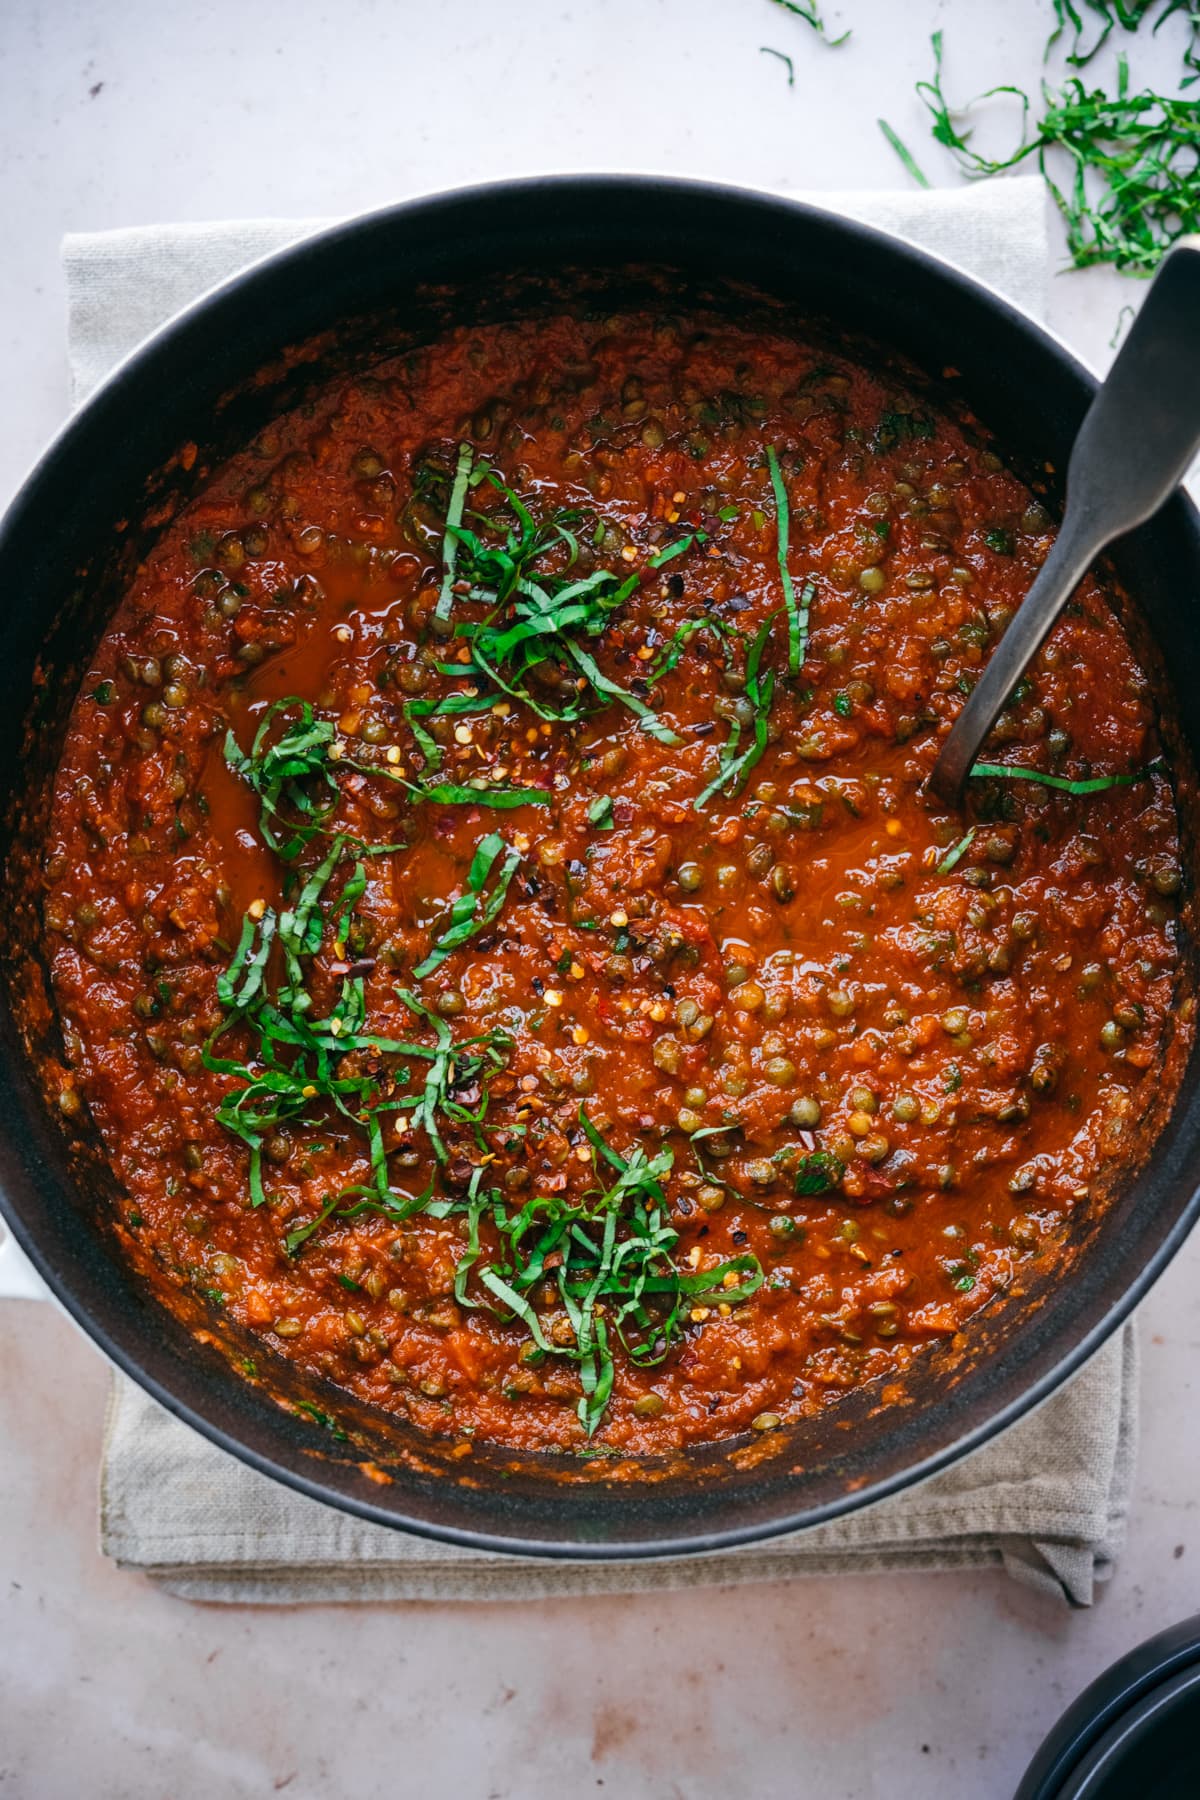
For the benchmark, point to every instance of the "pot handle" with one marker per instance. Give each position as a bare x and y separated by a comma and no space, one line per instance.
19,1279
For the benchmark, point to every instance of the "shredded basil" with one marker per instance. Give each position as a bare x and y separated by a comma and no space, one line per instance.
295,776
680,639
818,1173
449,706
810,12
1129,15
320,1418
734,764
904,153
955,855
450,541
299,1064
456,1066
1094,784
1131,161
291,775
797,610
297,1060
610,1258
766,50
539,619
471,912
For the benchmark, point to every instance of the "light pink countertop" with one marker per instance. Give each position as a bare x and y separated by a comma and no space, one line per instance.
123,112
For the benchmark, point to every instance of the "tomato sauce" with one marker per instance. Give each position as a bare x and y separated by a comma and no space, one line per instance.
892,1052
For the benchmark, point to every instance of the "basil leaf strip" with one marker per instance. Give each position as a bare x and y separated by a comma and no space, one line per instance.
468,917
1094,784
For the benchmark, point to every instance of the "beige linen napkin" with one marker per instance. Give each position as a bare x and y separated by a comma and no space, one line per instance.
1047,1500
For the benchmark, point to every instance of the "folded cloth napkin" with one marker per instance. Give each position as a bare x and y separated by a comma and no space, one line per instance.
1046,1500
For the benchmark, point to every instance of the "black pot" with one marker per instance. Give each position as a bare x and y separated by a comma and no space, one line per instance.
1135,1730
64,558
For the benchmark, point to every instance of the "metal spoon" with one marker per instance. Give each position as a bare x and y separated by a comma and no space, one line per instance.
1135,444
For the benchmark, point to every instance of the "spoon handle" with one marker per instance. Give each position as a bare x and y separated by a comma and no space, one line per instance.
1133,448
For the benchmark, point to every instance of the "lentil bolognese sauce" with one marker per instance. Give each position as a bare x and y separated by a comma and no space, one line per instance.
498,926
